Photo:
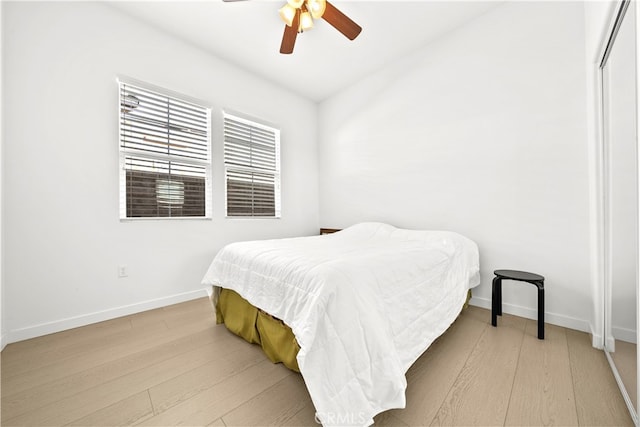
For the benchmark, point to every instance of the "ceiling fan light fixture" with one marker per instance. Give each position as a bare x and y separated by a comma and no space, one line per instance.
287,13
295,3
317,8
306,22
298,16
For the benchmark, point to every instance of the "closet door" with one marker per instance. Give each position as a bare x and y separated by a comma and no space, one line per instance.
621,202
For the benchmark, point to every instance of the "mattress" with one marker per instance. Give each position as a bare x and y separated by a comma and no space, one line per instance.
257,327
363,304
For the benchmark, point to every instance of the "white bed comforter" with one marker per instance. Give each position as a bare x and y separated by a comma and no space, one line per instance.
363,303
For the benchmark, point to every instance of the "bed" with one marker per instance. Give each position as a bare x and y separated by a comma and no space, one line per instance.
362,304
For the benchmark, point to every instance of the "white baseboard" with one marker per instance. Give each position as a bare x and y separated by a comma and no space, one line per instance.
554,319
624,334
100,316
597,341
87,319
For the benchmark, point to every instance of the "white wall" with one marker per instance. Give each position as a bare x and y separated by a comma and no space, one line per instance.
482,132
2,312
63,238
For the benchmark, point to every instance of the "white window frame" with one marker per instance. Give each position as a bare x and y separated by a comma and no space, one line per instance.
124,152
263,125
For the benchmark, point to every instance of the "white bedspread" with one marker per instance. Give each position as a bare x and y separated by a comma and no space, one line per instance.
363,303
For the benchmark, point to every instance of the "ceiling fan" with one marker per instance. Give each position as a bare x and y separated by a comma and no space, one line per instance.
298,16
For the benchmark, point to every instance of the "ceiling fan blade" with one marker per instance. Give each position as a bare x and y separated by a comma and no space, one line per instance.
290,34
341,22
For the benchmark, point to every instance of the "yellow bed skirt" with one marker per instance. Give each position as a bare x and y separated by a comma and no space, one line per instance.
257,327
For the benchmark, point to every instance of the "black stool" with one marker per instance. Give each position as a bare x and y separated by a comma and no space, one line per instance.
521,276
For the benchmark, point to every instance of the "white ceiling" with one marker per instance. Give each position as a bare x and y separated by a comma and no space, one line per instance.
248,34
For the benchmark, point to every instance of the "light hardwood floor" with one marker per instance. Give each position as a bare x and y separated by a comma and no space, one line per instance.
625,358
174,366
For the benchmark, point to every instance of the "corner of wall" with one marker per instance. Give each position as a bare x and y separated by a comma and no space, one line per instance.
3,340
597,16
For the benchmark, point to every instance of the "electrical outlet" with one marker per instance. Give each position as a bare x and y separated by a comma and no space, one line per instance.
123,271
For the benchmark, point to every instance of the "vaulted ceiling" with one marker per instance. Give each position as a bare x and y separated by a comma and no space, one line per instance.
248,34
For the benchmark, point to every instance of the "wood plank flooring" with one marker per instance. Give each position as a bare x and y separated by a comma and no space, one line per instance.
174,366
625,359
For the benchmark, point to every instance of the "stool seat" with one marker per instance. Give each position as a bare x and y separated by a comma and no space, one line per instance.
521,276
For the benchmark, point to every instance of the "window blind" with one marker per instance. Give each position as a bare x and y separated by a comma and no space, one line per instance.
165,155
252,168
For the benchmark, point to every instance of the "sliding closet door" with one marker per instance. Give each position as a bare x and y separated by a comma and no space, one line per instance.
619,102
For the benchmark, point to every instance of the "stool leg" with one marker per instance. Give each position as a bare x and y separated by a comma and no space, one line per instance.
540,312
495,287
500,296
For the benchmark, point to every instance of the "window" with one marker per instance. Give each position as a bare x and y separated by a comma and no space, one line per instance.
252,168
165,155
